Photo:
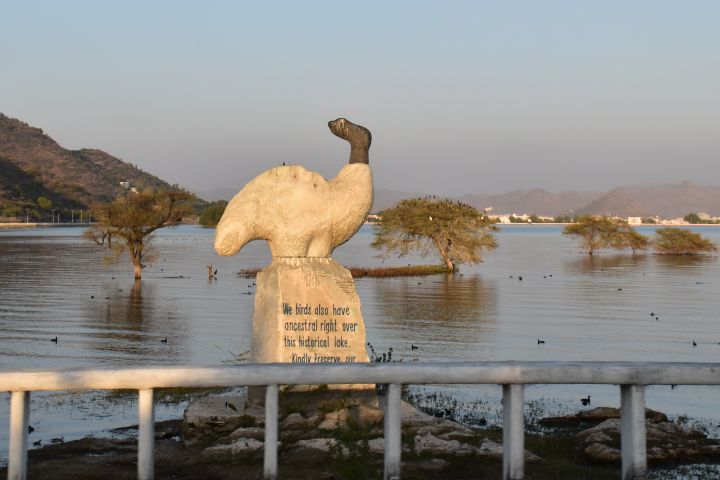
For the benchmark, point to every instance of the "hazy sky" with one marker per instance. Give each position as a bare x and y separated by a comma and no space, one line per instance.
461,97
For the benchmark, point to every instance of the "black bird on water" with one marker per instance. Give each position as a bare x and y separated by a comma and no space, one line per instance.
37,444
694,343
30,429
54,340
164,340
540,341
413,347
585,401
231,406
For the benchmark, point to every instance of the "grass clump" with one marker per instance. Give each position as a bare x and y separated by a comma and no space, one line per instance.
378,272
408,271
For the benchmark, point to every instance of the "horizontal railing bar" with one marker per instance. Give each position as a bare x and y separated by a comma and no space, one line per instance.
624,373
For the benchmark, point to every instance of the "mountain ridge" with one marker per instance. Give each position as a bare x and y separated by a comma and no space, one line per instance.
34,165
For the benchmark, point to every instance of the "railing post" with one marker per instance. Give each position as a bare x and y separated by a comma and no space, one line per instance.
633,445
146,435
513,432
271,432
393,432
17,454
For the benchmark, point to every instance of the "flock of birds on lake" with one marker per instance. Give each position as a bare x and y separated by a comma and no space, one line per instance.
212,275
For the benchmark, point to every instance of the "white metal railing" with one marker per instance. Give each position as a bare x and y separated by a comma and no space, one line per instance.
631,377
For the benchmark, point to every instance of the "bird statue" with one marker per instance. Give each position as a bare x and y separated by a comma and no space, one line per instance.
298,212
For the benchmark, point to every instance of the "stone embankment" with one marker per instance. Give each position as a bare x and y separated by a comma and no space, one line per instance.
667,442
335,435
335,425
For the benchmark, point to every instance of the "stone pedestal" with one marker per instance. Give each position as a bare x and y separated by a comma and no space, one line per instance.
307,311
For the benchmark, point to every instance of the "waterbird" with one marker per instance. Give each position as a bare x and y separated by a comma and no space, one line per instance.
520,278
619,289
231,406
54,339
652,314
413,347
30,429
164,340
92,296
540,341
694,343
419,283
585,401
37,444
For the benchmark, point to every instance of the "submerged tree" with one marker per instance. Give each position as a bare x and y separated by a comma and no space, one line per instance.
681,241
458,232
597,232
134,216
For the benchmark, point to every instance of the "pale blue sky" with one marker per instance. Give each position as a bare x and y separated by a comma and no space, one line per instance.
461,97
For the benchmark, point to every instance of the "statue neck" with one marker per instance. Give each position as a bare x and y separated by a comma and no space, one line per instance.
359,154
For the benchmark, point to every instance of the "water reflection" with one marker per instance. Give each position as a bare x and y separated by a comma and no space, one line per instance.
671,261
596,263
436,313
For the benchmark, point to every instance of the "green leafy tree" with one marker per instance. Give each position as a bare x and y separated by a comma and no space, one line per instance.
458,232
596,232
131,218
681,241
44,203
692,218
630,238
213,213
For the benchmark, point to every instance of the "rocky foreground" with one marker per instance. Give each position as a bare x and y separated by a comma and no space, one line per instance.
332,435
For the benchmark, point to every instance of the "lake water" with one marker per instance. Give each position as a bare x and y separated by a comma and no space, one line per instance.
53,282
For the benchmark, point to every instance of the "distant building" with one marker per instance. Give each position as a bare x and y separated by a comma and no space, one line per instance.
634,220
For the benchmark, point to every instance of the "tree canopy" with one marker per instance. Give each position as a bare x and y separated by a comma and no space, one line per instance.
134,216
458,232
213,213
596,232
681,241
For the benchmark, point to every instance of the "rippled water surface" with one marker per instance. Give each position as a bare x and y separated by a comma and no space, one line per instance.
53,282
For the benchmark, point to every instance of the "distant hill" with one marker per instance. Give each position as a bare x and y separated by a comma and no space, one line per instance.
32,165
536,200
667,201
618,202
